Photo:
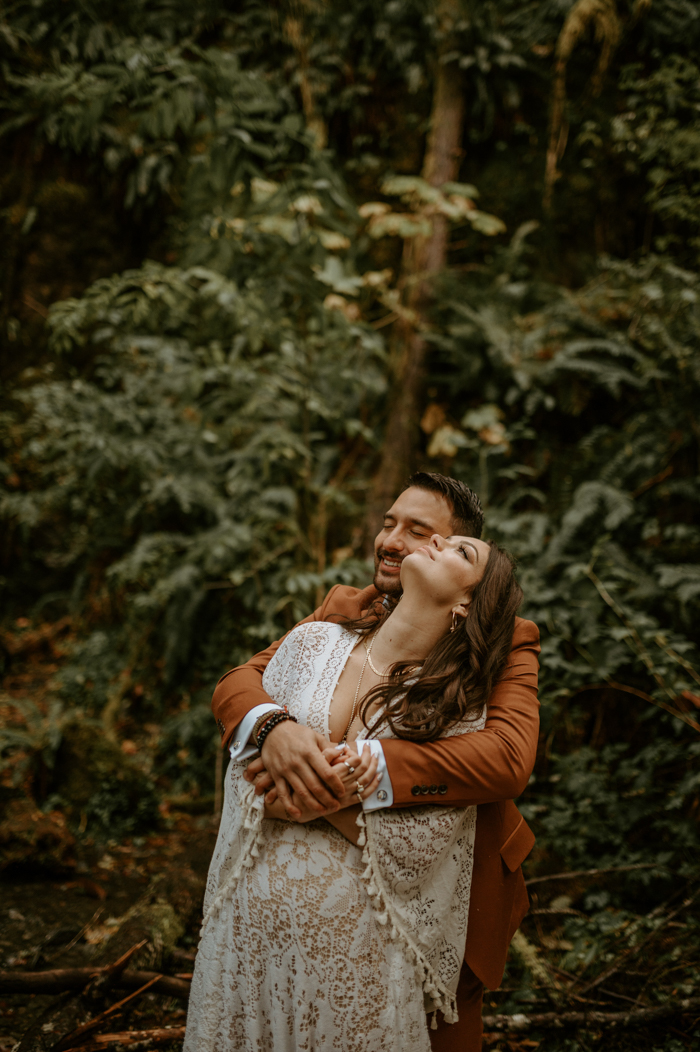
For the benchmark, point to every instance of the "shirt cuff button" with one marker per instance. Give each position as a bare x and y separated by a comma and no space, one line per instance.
381,795
236,745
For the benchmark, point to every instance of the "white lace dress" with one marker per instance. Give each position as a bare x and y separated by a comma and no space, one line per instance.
309,942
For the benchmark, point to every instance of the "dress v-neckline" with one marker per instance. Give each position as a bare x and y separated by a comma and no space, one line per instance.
353,638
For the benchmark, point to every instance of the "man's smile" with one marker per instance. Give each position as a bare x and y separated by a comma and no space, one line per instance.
389,565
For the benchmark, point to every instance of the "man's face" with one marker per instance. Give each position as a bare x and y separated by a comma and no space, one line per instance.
409,523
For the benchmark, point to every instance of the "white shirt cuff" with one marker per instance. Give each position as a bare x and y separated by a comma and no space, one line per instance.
242,746
383,795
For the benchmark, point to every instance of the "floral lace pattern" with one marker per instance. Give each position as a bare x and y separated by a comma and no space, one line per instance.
309,942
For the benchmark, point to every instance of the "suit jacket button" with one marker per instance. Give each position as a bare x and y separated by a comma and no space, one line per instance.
442,789
382,795
415,791
424,790
433,790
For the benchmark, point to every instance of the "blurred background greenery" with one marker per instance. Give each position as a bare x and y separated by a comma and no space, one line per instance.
259,261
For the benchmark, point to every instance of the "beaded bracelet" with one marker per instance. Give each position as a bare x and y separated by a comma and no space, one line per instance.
262,720
278,717
259,723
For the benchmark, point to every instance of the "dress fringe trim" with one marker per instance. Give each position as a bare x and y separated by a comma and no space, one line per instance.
443,998
253,809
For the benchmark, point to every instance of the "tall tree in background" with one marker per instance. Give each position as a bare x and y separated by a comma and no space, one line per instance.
424,257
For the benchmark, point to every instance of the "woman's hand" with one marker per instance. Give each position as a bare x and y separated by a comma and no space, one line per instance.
354,770
292,759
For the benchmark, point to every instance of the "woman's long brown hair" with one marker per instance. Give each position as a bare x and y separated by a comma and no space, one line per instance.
459,674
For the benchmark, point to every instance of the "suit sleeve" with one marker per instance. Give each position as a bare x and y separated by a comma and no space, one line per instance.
240,690
494,764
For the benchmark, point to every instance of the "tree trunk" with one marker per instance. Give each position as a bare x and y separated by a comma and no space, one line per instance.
423,258
294,32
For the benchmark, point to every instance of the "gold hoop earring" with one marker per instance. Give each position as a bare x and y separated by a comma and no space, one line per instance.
454,620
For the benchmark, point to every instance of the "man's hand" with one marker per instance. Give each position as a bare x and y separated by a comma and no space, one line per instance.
293,756
355,770
350,767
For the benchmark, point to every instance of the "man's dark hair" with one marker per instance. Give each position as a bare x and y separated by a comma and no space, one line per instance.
467,514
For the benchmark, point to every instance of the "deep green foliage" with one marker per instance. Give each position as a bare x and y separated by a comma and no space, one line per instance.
660,136
197,466
186,472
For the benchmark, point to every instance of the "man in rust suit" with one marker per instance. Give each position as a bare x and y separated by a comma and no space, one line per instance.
488,769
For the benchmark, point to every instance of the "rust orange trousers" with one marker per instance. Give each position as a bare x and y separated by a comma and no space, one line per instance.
464,1036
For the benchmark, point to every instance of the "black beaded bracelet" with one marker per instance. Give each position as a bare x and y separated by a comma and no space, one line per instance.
260,723
279,717
262,720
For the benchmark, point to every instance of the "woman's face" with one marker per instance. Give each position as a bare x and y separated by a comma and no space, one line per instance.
445,570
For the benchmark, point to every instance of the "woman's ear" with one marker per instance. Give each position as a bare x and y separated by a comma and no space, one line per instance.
461,610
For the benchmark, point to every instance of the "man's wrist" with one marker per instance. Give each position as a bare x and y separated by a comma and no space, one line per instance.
383,795
270,723
279,719
259,724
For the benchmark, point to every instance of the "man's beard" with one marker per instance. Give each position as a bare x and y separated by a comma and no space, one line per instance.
389,586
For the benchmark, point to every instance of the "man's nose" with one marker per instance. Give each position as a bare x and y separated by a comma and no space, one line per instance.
437,541
394,539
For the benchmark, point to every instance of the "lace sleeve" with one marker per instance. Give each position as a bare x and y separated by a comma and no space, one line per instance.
242,818
418,866
418,870
280,667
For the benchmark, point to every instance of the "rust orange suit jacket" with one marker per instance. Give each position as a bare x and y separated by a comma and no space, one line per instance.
488,769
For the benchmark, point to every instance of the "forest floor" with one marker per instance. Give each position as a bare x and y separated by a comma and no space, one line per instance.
61,922
49,922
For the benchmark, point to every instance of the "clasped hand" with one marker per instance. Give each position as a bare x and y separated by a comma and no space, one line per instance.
310,776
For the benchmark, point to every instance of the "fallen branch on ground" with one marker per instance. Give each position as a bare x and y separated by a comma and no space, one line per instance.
84,1029
140,1038
558,1020
72,1009
62,980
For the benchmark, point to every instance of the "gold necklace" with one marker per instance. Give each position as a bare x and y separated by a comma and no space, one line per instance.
369,658
357,691
383,675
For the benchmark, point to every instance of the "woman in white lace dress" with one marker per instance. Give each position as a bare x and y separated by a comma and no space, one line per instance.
342,933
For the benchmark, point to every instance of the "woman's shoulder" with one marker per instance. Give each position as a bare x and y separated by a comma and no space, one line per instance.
317,631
